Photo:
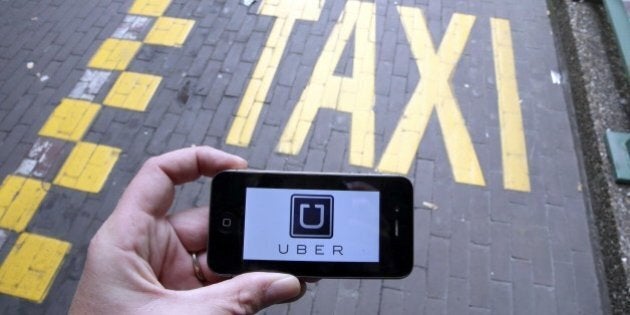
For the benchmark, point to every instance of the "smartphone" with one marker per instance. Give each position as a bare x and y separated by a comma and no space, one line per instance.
322,225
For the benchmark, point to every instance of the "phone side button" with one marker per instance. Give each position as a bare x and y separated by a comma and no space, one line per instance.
227,222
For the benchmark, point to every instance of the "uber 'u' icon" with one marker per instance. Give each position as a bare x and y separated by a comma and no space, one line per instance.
312,216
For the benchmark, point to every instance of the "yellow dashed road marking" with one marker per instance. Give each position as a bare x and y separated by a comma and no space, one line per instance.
70,120
513,148
114,54
87,167
354,95
149,7
287,12
133,91
19,199
434,92
169,31
31,266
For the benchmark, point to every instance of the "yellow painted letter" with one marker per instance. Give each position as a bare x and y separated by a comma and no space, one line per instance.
514,152
287,12
353,95
434,91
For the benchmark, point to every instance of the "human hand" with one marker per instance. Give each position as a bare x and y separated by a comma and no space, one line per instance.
139,261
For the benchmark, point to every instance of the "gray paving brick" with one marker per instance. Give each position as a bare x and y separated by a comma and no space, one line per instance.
545,300
435,306
158,143
565,290
500,268
457,301
264,146
523,294
479,276
501,297
233,57
305,304
278,309
458,250
12,140
479,215
15,114
17,153
441,223
347,296
391,302
175,141
208,77
253,47
276,162
288,69
423,181
237,84
186,196
222,116
326,297
586,283
541,257
216,93
414,291
369,297
200,62
200,126
336,153
421,237
578,227
322,129
314,160
438,268
500,207
560,234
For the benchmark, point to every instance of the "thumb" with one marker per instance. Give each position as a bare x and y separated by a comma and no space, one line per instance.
251,292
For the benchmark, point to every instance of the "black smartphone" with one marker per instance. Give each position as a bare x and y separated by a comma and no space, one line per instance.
322,225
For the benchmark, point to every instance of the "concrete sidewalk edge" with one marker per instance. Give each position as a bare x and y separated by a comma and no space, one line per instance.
598,92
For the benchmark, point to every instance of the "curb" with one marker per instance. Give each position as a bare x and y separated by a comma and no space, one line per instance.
598,92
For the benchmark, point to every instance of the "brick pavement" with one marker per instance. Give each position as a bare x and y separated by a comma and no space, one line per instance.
457,95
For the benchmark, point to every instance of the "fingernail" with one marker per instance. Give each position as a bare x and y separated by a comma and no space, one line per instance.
283,289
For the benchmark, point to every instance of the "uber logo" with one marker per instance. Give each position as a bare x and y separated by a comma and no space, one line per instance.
312,216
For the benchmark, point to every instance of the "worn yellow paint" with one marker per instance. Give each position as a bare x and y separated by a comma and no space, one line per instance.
354,95
87,167
31,266
168,31
434,92
513,148
70,120
287,12
149,7
133,91
114,54
20,198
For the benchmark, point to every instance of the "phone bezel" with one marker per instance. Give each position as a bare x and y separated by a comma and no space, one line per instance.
228,192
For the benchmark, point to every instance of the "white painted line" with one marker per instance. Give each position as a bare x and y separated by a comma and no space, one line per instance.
90,84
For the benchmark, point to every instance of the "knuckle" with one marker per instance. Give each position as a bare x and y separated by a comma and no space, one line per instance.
248,302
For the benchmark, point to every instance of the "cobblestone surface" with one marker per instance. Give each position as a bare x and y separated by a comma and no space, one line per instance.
479,248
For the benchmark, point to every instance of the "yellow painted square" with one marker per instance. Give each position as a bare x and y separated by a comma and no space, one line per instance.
87,167
149,7
20,198
114,54
169,31
32,264
133,91
70,120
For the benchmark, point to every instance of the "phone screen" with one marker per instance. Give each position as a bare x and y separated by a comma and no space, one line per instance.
311,225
